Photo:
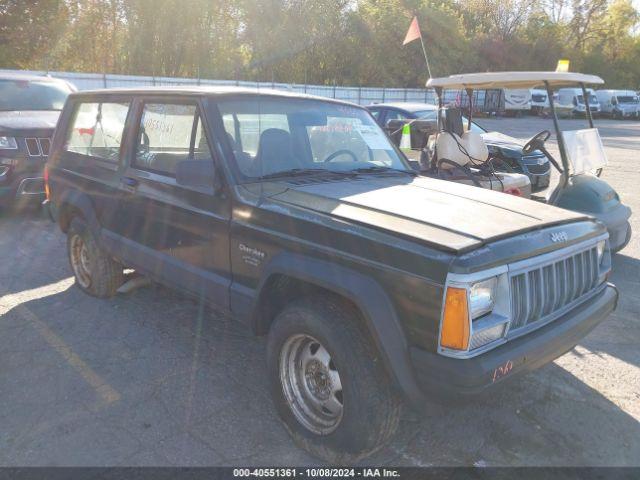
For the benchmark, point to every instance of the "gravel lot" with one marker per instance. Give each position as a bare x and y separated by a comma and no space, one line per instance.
152,378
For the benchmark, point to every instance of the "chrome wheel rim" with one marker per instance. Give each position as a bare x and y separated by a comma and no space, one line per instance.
311,384
79,255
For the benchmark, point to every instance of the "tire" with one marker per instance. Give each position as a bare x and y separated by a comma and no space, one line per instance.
371,408
96,273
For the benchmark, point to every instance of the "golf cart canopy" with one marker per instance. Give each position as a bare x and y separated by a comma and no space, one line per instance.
513,80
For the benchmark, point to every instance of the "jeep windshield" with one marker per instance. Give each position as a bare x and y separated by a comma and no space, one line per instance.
592,99
273,137
627,99
18,95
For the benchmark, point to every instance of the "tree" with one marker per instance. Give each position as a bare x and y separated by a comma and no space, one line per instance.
27,29
353,42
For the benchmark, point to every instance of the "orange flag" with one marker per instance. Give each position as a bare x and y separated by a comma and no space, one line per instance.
413,33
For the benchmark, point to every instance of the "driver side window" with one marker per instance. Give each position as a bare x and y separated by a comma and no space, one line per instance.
244,131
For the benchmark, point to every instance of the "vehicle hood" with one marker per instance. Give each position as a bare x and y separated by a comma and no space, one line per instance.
446,215
510,146
503,141
17,122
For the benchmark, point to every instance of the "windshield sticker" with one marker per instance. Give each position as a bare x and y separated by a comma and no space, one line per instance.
333,128
351,111
372,137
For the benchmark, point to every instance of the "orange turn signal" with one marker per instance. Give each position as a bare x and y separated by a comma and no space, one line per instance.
455,321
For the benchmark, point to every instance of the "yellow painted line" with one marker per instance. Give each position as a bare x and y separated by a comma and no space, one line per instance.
15,302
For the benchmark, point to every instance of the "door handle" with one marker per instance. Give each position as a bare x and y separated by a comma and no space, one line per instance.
130,182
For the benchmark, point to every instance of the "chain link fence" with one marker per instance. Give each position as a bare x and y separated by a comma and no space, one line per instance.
359,95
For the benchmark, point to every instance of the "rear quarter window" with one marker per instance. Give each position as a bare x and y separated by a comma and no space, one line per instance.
97,129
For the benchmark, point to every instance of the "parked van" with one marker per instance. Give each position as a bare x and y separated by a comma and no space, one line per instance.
539,101
573,96
619,103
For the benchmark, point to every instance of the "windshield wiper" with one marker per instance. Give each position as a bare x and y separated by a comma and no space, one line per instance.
298,172
378,169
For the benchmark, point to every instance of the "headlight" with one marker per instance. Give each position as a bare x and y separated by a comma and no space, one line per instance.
8,143
475,313
482,297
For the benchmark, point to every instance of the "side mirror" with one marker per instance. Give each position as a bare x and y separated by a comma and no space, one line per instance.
196,173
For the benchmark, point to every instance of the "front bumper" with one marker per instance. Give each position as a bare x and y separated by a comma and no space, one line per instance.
443,377
539,181
626,113
29,188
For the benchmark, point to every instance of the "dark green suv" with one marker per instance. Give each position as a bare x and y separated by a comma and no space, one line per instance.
375,287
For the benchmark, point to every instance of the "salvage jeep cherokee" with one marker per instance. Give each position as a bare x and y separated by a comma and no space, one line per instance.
299,217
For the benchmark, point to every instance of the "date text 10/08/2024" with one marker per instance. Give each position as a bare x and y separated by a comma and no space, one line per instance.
316,472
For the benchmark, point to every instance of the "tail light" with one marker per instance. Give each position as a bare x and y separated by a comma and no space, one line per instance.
514,191
47,192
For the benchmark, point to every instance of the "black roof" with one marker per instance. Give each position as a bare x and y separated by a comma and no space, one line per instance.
204,90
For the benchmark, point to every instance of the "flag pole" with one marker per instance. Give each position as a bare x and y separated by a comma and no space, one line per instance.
426,59
413,33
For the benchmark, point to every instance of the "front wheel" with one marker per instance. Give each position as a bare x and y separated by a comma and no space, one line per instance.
328,382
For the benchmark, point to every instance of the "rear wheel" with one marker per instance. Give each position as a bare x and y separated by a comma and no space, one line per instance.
96,273
328,382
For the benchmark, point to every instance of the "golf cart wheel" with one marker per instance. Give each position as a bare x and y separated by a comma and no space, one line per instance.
96,273
327,382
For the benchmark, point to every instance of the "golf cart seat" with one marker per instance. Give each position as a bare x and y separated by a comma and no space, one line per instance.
461,150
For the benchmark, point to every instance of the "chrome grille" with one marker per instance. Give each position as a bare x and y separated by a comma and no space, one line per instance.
538,169
531,164
542,291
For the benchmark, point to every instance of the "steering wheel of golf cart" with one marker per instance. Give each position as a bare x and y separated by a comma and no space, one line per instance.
338,153
536,142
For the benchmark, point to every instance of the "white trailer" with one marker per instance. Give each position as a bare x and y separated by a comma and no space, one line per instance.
516,101
619,103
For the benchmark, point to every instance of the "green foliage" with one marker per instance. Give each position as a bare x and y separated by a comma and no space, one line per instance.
345,42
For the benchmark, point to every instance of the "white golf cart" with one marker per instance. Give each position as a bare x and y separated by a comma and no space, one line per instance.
582,155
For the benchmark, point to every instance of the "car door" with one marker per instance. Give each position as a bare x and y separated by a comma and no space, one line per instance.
175,233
